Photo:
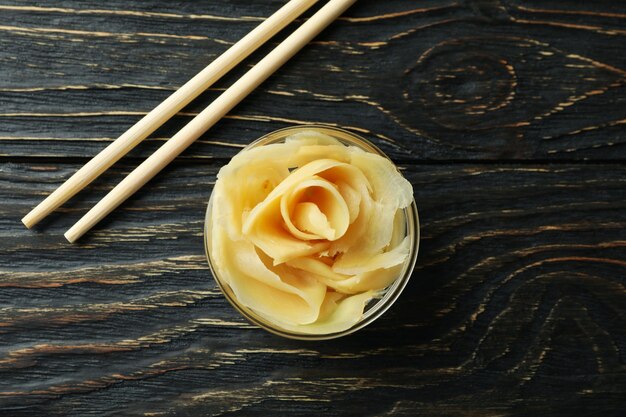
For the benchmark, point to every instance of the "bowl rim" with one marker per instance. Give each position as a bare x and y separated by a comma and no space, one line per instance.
389,294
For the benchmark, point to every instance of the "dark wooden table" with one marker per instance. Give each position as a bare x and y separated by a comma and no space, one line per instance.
509,118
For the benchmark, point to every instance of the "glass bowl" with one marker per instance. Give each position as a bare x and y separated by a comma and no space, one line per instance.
375,307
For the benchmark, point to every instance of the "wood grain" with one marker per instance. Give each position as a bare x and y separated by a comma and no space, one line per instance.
449,80
518,302
507,116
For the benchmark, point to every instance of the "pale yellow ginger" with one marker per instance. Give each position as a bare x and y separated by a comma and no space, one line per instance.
306,232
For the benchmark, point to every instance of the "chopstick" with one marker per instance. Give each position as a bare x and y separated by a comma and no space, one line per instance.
168,108
209,116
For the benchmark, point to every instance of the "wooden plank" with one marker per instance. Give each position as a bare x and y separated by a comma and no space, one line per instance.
508,118
517,305
442,81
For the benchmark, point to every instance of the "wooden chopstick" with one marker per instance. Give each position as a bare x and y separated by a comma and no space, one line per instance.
164,111
209,116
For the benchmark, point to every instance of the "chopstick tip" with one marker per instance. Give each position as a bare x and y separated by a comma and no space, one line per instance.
71,236
28,221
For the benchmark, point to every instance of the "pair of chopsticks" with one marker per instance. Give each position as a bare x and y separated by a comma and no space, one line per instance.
201,123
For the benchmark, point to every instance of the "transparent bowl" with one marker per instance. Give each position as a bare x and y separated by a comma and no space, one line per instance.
377,306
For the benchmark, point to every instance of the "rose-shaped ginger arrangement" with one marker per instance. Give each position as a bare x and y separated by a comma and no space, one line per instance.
306,231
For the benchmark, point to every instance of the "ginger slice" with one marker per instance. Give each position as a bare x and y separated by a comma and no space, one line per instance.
306,232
